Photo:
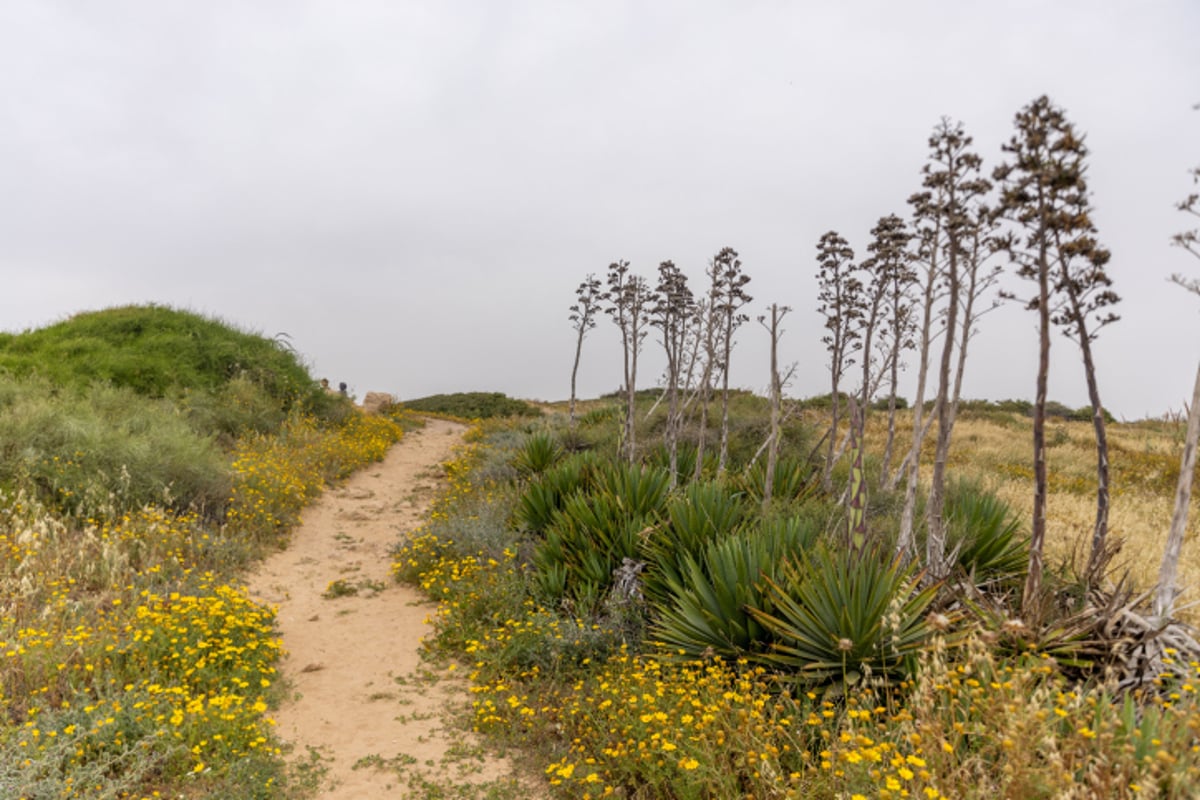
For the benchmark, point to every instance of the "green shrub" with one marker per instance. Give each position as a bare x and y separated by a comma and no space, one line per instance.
473,405
538,453
106,451
159,352
546,495
985,533
841,616
793,479
700,514
706,601
595,531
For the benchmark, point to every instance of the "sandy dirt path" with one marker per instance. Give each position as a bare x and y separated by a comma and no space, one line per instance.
364,715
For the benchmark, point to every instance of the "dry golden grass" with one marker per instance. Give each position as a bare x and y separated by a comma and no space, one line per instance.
997,449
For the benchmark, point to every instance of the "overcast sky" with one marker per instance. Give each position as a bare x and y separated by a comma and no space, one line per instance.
412,191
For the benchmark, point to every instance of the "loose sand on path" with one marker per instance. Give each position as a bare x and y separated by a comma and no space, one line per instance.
359,696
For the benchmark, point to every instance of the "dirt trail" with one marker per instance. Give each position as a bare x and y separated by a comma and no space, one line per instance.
361,701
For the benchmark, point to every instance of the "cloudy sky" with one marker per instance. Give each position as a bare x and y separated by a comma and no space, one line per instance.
412,190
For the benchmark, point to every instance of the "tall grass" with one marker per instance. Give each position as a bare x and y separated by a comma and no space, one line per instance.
105,451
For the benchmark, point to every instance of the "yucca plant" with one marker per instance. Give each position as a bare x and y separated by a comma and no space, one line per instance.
985,533
542,497
685,460
841,617
538,453
793,480
707,600
587,540
700,514
637,489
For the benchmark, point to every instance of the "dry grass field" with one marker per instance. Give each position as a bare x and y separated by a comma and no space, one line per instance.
996,448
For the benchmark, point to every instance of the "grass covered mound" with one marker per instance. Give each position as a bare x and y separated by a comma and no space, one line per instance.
474,405
155,351
112,410
147,456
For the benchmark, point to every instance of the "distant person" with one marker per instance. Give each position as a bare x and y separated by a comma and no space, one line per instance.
325,385
342,388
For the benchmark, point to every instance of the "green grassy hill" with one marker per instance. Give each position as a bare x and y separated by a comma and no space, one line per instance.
155,351
140,402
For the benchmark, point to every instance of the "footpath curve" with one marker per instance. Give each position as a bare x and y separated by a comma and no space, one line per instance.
365,718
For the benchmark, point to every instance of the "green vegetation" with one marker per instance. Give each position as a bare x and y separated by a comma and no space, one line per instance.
159,352
646,641
148,457
473,405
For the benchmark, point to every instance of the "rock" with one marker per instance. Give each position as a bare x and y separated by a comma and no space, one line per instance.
375,402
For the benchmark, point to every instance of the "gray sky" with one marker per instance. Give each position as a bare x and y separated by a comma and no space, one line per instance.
412,191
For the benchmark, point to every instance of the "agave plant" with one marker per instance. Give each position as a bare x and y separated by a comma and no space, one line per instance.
538,453
637,490
595,530
685,460
841,616
707,611
542,497
793,480
583,545
702,513
985,533
707,600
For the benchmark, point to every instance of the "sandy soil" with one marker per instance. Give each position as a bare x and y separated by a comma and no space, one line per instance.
365,716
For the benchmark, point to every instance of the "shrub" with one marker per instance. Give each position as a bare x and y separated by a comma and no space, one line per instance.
543,497
841,616
539,453
706,600
161,352
792,480
474,405
700,514
985,533
106,451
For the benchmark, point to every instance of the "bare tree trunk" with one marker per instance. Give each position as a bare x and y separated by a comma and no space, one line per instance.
935,542
710,357
1037,540
673,431
1164,597
857,491
626,432
776,407
631,399
1098,558
702,435
724,454
575,372
905,540
827,475
902,470
886,463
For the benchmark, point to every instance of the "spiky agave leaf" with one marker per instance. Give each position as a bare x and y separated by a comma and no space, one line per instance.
702,513
793,480
706,601
549,492
538,453
839,616
985,533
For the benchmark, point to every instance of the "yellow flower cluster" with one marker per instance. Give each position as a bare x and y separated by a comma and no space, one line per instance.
185,676
128,661
275,477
